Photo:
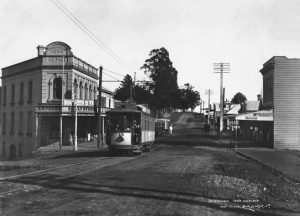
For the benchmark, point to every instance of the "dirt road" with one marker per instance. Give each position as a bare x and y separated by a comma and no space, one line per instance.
198,179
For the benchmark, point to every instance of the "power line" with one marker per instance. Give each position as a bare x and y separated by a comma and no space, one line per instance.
79,24
110,71
111,76
110,51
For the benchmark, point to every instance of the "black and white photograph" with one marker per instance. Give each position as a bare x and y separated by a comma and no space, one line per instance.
150,108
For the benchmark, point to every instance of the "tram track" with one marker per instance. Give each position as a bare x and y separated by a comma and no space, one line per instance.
35,180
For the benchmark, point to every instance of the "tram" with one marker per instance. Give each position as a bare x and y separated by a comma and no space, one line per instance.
162,126
130,128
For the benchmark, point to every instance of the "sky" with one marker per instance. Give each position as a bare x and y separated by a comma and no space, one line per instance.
197,33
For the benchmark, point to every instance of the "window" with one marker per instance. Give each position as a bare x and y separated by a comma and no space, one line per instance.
21,122
12,124
109,103
21,101
86,93
12,152
57,88
29,92
4,95
29,124
80,91
95,94
90,93
271,88
103,102
20,149
76,88
3,149
4,123
12,99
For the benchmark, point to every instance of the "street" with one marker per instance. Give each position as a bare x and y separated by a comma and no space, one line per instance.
199,178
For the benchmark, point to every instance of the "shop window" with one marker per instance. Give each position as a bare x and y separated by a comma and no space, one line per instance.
57,88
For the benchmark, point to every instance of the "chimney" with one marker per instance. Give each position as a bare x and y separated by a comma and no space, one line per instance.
41,50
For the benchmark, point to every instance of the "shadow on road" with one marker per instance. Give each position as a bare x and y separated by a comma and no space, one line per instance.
72,184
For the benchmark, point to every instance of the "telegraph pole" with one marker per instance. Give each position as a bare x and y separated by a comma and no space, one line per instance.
208,92
99,137
75,126
221,68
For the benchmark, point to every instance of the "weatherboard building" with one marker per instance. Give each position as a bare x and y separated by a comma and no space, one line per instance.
37,96
281,94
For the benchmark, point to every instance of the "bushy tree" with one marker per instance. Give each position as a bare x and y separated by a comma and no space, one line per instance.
188,98
163,76
238,98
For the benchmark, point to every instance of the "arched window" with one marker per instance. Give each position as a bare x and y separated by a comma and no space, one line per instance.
90,93
86,92
57,88
76,88
80,91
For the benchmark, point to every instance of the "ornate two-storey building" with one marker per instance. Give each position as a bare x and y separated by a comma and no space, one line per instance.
37,96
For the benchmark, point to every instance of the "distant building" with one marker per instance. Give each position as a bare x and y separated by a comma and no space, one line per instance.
281,93
36,103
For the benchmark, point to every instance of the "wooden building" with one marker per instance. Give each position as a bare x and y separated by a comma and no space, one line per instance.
281,92
37,96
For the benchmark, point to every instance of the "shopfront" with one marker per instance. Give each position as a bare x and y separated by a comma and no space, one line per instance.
257,127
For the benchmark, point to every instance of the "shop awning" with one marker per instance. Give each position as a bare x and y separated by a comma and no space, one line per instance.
262,115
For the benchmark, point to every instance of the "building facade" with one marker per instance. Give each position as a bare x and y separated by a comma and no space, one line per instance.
37,99
281,92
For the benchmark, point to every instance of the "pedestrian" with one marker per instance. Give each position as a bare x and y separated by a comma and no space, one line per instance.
171,129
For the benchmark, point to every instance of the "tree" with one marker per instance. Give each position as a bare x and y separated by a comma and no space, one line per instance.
139,93
122,93
188,98
142,95
163,76
238,98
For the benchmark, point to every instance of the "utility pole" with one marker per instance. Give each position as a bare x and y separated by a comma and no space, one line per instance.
208,92
62,104
75,126
99,138
221,68
134,80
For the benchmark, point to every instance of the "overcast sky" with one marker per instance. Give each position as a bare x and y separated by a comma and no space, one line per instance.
197,33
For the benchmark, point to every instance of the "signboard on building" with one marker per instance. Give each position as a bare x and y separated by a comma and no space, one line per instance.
262,115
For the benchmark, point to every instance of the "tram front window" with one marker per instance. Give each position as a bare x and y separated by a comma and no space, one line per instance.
122,122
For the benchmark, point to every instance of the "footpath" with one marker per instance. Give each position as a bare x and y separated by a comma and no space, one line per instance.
286,162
